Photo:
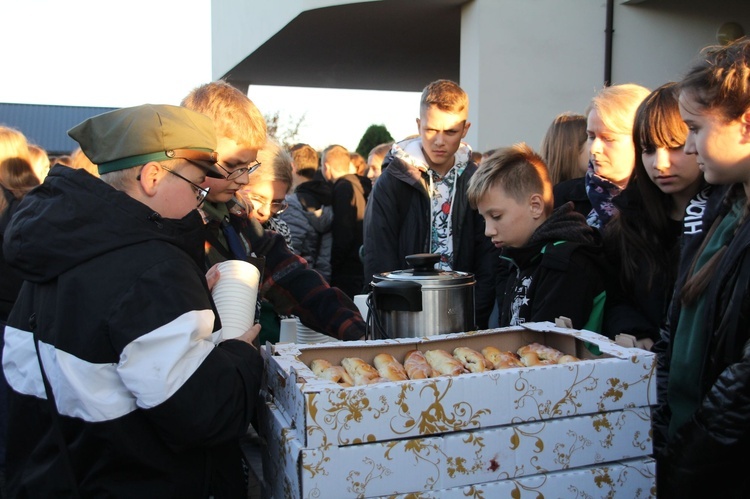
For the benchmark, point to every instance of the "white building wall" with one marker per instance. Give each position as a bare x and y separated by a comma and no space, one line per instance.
524,62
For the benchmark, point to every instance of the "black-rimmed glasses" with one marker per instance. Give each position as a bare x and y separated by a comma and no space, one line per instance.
235,174
201,192
276,207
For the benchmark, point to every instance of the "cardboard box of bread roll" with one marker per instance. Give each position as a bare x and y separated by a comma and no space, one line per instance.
323,413
515,453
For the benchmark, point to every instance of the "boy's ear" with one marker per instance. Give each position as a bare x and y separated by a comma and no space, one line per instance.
745,121
149,178
466,129
419,126
536,206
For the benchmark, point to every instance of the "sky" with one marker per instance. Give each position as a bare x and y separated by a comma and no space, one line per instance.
98,53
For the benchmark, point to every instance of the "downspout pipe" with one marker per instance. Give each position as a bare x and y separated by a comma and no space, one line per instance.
608,32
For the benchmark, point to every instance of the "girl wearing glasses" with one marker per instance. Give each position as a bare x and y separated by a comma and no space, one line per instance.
264,194
263,199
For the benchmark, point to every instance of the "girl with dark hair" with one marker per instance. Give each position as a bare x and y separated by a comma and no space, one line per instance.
642,239
705,417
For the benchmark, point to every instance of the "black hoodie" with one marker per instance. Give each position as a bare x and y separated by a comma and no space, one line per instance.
315,193
147,403
559,272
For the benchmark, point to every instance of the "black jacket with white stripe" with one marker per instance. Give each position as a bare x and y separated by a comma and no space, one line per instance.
149,405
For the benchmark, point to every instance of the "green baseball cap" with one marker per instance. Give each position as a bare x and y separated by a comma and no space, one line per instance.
133,136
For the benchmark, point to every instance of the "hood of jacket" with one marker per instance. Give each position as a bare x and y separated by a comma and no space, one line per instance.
564,224
406,160
74,217
315,193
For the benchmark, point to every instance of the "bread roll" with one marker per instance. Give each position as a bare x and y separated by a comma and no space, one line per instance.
337,374
361,372
541,351
472,360
318,366
500,359
444,363
531,359
417,366
567,359
388,367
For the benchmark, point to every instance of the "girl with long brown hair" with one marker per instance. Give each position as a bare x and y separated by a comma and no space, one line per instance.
705,369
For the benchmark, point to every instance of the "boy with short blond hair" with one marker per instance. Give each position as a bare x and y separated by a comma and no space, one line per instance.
235,116
288,283
519,171
419,205
557,268
446,96
305,161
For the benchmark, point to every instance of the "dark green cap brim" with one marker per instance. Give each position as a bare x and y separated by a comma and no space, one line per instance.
142,159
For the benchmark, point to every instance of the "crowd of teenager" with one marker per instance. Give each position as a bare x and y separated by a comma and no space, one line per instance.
630,221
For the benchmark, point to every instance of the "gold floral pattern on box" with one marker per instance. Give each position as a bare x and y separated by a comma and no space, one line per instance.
346,408
583,381
609,424
616,387
435,419
358,483
343,410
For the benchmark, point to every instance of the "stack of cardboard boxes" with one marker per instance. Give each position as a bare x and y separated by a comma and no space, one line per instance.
573,430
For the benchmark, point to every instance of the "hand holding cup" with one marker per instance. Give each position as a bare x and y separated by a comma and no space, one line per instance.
250,335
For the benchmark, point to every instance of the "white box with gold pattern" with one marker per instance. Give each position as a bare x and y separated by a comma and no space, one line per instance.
452,460
323,414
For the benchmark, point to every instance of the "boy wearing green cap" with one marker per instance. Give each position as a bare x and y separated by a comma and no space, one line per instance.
133,397
288,283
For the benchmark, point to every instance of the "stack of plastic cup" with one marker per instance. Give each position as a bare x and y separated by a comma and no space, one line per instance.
305,335
235,295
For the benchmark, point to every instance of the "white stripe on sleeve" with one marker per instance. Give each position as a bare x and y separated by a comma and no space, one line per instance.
151,369
20,363
157,364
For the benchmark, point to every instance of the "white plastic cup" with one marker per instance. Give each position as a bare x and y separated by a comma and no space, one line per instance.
288,331
235,295
305,335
